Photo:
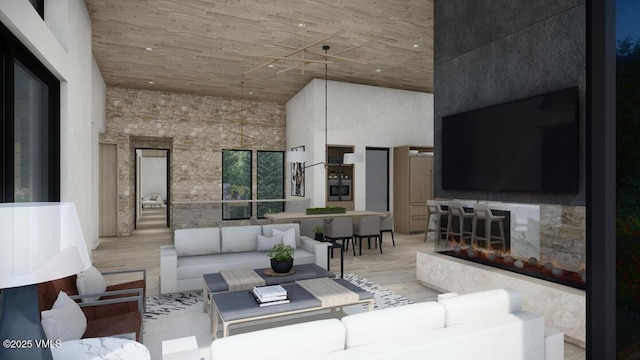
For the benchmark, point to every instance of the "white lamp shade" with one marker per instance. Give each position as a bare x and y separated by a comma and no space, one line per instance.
352,158
296,156
40,242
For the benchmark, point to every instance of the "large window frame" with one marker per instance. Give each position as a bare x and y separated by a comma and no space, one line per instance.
237,184
265,181
12,51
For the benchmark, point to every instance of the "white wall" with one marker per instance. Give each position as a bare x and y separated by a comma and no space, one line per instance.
63,44
153,176
359,115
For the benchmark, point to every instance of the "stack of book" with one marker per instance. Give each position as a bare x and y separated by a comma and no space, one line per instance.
269,295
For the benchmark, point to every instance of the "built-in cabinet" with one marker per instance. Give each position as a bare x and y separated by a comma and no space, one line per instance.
412,187
340,182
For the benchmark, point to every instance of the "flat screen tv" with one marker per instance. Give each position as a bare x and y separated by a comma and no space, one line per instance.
526,145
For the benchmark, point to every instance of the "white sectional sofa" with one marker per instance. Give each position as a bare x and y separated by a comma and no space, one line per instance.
486,325
208,250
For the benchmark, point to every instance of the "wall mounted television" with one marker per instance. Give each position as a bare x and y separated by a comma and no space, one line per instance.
526,145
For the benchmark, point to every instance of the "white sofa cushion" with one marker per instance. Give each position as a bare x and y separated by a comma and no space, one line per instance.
266,243
201,241
195,266
288,236
301,256
267,230
91,281
240,238
391,323
65,321
247,260
518,336
298,341
481,305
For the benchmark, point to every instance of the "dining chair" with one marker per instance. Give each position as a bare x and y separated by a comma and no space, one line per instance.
340,228
368,227
386,225
308,225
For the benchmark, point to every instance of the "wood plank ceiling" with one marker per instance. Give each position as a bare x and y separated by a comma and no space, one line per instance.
208,47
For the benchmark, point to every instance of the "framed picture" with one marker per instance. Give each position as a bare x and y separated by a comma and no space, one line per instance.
297,175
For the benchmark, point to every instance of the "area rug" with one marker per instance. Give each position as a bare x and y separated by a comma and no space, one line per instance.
181,315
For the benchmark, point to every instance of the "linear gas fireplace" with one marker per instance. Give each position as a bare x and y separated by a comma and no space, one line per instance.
515,243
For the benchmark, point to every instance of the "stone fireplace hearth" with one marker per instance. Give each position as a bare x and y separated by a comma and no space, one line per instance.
552,234
563,307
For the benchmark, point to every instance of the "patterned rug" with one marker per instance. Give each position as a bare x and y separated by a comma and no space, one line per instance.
181,314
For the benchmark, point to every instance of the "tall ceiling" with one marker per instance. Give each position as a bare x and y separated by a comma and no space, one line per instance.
214,47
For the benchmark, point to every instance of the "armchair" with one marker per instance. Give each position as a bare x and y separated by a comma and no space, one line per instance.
116,310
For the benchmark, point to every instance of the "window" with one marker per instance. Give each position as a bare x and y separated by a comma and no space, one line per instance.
270,181
236,184
30,126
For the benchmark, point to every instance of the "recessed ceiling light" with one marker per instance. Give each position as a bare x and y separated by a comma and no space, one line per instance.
151,83
301,25
378,70
415,46
270,65
250,92
148,49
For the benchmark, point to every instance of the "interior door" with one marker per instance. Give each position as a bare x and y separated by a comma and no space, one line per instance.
377,179
108,185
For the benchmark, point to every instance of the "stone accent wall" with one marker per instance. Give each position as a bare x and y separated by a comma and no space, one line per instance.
196,129
563,233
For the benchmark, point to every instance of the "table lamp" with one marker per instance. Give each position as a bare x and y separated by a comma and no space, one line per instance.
39,242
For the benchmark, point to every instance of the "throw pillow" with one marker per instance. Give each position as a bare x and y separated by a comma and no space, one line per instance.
91,281
265,243
65,321
288,236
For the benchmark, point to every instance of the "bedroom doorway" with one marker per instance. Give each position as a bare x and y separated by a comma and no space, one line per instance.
152,188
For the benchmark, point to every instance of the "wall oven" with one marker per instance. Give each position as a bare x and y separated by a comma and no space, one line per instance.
339,190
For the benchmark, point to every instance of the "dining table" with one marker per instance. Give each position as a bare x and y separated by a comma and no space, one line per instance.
289,216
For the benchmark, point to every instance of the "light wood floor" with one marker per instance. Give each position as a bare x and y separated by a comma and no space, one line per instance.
394,269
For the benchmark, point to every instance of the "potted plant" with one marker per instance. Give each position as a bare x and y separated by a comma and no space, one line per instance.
319,233
281,256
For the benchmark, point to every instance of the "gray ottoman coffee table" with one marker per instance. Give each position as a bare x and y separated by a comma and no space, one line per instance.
246,279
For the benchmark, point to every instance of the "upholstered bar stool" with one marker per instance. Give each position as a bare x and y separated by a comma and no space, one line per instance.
483,213
437,212
457,212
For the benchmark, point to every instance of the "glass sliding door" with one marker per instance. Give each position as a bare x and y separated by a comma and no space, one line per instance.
628,178
29,127
31,145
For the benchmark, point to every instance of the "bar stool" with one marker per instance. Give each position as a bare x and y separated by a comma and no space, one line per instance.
439,229
457,211
482,212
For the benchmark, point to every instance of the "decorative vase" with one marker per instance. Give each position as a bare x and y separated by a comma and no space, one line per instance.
281,267
319,236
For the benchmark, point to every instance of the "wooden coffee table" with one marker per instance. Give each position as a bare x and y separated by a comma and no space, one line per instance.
215,283
236,307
